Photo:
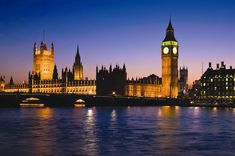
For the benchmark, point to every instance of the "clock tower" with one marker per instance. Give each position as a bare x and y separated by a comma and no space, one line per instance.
169,52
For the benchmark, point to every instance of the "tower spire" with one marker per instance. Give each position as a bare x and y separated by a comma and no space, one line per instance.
170,28
43,42
78,58
170,32
78,49
43,36
77,66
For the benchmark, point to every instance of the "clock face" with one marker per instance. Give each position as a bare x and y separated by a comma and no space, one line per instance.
166,50
175,50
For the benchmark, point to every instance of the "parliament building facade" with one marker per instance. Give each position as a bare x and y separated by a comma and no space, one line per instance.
113,81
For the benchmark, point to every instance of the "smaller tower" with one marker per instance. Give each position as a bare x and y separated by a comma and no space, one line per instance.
55,73
183,81
11,81
77,67
2,84
43,61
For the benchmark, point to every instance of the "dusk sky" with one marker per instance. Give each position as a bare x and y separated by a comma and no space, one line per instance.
116,32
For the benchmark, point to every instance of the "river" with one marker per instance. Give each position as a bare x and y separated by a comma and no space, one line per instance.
117,131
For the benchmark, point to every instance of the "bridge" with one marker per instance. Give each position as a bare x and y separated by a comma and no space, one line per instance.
71,100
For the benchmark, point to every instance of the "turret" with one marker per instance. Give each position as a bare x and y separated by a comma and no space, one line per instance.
110,68
52,48
124,67
43,61
55,73
11,81
43,46
77,67
97,69
77,58
34,47
2,84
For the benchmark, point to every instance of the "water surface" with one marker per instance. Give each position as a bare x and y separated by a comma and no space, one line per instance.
117,131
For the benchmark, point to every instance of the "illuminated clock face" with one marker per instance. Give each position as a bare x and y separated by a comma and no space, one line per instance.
175,50
166,50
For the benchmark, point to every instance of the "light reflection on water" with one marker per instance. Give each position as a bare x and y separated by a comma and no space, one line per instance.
117,131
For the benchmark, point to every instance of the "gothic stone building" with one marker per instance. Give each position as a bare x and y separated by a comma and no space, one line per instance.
152,86
111,81
44,77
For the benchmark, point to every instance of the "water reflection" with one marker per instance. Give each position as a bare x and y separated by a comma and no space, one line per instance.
113,115
90,130
89,112
45,113
195,119
167,121
214,109
168,111
117,131
38,125
196,111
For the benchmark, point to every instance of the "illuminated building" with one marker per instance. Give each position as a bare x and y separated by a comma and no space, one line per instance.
2,84
114,82
150,86
170,64
43,61
44,77
218,83
77,67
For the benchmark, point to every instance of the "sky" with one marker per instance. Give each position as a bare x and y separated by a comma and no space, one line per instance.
116,32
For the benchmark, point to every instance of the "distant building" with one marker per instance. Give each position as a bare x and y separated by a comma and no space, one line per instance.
183,82
218,83
194,92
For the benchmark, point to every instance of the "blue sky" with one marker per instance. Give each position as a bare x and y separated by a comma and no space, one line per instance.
116,31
